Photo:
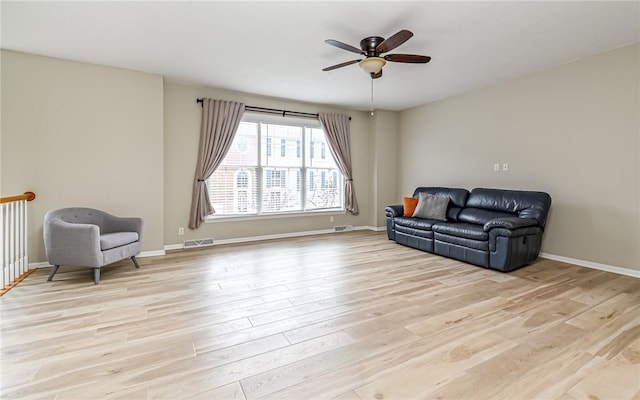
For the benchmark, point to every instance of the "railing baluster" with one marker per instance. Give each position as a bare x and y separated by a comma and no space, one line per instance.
21,255
25,255
7,253
12,242
3,246
14,249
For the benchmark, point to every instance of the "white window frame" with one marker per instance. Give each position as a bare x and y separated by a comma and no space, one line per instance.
263,119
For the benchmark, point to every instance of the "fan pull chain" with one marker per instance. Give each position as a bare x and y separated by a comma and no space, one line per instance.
371,96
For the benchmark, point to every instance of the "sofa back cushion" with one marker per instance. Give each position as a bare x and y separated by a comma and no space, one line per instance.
480,216
524,204
457,198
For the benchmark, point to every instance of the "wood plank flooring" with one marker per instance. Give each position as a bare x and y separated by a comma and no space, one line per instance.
343,316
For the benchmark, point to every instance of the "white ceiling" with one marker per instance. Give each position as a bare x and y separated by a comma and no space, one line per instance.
277,48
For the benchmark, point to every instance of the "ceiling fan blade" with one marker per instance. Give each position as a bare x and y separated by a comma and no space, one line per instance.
407,58
344,46
344,64
394,41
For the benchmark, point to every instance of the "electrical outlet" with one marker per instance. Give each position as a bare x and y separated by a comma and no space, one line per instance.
180,231
331,218
505,167
496,167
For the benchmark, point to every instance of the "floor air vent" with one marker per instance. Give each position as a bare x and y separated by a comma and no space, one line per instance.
343,228
188,244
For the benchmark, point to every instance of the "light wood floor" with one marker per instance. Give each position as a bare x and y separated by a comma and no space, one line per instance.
344,316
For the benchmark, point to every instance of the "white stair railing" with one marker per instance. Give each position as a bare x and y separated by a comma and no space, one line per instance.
13,239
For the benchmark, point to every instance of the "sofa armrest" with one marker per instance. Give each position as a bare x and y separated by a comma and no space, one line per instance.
73,244
394,211
510,223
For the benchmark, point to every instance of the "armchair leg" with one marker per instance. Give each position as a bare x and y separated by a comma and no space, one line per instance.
96,275
53,272
135,262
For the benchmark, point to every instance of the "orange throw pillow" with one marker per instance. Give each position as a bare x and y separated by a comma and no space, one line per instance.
410,204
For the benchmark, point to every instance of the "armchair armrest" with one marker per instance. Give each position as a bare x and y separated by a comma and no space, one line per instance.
510,223
73,244
394,211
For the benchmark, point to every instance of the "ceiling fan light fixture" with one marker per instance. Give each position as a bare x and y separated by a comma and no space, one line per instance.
372,65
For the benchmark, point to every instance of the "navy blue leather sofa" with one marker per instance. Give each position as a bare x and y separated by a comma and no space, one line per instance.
492,228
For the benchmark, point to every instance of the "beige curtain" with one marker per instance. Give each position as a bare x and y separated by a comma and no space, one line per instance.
220,120
337,131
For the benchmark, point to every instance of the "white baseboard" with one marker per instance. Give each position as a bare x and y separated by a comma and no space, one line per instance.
168,247
42,264
151,253
180,246
593,265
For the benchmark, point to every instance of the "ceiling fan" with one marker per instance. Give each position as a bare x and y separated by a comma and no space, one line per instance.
372,47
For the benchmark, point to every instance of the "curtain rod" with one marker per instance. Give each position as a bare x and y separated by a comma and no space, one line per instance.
274,111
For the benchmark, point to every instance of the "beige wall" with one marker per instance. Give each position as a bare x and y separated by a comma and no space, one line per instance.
384,153
98,136
182,129
572,131
79,134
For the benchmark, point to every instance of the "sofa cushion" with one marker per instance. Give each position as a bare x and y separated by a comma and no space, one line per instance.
409,204
431,207
113,240
415,223
481,216
525,204
423,233
469,231
453,212
462,241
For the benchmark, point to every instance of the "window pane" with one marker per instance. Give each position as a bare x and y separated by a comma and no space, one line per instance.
286,137
324,188
234,190
317,149
233,186
244,149
281,190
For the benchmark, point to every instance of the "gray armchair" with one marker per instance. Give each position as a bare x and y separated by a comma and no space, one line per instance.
85,237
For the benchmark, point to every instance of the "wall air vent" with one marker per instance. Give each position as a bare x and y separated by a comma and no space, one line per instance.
343,228
189,244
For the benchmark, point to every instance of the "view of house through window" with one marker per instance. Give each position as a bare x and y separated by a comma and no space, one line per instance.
276,168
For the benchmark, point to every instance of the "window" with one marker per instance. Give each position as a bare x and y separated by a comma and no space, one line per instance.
254,179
